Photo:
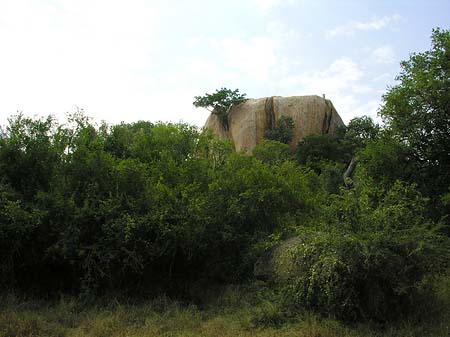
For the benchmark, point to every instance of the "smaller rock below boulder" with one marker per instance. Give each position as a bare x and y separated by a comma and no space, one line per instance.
279,262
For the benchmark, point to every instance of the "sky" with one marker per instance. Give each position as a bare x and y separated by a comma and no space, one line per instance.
147,59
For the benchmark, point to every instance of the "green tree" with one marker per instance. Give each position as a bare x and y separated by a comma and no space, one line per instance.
384,160
28,154
315,148
272,152
418,111
219,102
359,132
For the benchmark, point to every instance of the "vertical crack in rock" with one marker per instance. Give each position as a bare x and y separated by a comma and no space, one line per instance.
226,119
327,117
270,115
249,121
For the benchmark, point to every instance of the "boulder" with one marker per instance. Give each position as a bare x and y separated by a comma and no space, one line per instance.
279,262
249,120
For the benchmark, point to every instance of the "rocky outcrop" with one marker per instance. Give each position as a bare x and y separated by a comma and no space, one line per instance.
248,121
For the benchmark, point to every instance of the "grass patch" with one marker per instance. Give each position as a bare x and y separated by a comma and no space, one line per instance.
233,311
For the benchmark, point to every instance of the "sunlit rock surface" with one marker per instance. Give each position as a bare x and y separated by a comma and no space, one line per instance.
248,121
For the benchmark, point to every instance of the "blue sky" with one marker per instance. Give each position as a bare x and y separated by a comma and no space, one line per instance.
146,59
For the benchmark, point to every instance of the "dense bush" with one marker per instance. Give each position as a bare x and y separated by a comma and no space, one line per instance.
272,152
131,205
315,148
372,263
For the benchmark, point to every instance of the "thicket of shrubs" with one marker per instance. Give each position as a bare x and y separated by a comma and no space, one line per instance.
150,208
373,260
137,206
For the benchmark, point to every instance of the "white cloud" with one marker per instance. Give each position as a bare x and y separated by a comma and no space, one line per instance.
352,27
267,5
369,108
383,55
254,58
280,30
133,60
87,53
341,74
385,77
343,81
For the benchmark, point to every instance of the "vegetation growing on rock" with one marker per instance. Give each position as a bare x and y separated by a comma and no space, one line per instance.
220,102
283,130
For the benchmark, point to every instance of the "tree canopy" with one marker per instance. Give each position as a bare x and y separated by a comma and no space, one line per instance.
219,102
417,109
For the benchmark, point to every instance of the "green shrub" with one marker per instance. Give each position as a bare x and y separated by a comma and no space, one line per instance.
372,262
354,277
283,131
272,152
316,148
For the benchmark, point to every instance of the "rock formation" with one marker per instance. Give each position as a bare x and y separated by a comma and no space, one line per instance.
248,121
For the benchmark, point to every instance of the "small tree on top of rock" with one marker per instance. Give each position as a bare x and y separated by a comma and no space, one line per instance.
220,102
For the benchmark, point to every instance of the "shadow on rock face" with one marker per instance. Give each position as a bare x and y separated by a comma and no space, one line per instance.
248,121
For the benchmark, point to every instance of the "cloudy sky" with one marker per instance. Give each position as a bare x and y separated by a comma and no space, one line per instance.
146,59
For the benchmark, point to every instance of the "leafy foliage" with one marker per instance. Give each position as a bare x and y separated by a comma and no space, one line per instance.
385,161
283,130
315,148
272,152
369,260
362,129
118,207
417,110
219,102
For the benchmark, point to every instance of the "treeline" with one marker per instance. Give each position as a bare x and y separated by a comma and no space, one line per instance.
137,205
145,208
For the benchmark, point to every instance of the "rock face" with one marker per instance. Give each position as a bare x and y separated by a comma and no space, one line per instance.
248,121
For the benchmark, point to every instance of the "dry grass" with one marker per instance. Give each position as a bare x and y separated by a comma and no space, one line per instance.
230,314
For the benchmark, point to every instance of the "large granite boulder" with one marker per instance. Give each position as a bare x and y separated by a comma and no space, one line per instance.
248,121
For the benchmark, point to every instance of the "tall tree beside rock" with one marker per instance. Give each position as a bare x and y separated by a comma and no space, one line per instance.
418,111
